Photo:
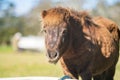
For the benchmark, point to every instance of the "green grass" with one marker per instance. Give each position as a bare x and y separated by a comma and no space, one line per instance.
6,49
26,65
13,64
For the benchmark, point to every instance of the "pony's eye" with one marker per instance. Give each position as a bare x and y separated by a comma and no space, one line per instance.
65,31
44,31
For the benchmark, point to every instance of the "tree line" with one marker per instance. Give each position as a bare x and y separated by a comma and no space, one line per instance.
29,24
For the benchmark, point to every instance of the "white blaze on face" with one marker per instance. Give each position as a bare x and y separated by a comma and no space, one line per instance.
52,37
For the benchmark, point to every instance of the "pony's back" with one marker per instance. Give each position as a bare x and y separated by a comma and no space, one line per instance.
110,25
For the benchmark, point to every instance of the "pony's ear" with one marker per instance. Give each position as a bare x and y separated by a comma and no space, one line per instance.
85,18
44,13
67,15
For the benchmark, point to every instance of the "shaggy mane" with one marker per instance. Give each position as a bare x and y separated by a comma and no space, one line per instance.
57,15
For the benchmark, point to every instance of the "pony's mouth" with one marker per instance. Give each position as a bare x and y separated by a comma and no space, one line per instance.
53,57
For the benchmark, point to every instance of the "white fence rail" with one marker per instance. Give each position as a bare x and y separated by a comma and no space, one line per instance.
34,78
30,78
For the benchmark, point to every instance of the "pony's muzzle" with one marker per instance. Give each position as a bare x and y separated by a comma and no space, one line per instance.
53,56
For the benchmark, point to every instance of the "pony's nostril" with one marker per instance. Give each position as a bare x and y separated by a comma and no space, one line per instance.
52,55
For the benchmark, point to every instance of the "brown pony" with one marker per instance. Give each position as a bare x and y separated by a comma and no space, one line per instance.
85,46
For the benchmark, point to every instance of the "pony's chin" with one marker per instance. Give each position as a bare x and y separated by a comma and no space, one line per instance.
53,61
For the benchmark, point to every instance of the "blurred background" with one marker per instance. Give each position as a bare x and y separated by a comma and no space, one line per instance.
21,39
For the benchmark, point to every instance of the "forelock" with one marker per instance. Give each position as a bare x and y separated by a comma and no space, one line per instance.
55,16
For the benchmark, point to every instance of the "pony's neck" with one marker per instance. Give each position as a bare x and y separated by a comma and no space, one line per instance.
77,38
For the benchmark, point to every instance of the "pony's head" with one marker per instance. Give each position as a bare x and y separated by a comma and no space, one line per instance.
56,28
60,25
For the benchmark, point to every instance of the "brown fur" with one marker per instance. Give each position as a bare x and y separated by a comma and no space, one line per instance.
111,26
54,17
93,49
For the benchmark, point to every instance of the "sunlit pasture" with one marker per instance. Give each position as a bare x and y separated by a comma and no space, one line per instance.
21,64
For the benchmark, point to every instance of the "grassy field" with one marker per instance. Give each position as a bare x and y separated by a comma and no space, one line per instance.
14,64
